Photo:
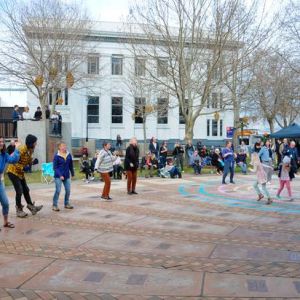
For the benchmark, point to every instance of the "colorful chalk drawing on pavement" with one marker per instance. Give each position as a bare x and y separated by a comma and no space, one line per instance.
241,195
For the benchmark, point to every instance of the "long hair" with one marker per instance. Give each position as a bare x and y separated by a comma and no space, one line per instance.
255,159
3,150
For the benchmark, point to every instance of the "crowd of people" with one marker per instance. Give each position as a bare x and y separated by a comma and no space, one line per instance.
283,156
55,118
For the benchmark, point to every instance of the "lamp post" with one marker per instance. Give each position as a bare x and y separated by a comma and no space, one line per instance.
87,121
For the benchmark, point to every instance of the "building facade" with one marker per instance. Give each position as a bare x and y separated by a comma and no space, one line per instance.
104,106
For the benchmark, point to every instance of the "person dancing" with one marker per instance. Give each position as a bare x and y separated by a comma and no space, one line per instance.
4,159
261,178
16,175
131,165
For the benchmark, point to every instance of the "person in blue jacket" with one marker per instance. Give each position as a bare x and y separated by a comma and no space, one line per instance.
63,167
229,157
4,159
16,116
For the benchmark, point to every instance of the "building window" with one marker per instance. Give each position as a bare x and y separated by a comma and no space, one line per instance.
66,96
162,110
162,67
208,101
181,116
93,110
208,127
50,98
221,103
140,67
93,65
58,97
139,110
117,65
117,110
214,128
217,73
221,127
214,100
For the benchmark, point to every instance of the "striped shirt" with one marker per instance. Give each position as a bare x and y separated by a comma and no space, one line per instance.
104,162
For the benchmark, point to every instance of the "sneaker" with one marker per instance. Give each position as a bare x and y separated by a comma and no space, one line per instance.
270,201
92,178
278,197
129,193
87,181
34,209
38,207
109,198
260,196
232,182
291,199
68,206
55,208
134,193
21,213
224,182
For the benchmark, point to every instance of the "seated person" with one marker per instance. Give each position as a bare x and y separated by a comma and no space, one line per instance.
217,161
196,162
241,160
172,169
86,168
117,165
149,163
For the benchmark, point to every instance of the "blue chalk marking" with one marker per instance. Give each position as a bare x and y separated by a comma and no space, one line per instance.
283,208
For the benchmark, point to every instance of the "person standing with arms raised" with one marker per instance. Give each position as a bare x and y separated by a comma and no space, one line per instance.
16,175
4,159
131,165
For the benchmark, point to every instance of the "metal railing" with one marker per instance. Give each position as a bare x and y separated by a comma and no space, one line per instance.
6,128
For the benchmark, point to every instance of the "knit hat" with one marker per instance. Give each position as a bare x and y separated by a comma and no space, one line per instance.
30,140
286,160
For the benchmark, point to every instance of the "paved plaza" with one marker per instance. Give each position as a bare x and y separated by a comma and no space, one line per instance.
177,239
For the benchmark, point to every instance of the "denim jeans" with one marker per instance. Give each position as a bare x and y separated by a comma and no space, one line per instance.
264,188
243,167
67,185
197,168
3,199
228,167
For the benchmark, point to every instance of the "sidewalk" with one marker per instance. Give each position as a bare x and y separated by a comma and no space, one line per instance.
177,239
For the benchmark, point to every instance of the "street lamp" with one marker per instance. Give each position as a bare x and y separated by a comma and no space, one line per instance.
87,121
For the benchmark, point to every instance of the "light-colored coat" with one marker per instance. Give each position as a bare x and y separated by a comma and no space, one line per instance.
104,162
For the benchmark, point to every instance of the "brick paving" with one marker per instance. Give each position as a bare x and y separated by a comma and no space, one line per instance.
160,244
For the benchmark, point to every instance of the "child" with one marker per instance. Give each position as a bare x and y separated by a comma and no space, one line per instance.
62,166
261,178
86,168
117,165
285,177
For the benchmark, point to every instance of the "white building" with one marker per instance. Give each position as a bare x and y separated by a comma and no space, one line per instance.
107,109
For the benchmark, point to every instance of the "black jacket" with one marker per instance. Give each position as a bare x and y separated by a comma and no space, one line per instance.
131,157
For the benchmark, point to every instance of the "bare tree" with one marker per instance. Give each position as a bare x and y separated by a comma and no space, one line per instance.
142,96
274,93
187,44
43,46
289,39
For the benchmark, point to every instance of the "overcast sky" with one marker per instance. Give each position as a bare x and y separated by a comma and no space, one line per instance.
117,10
107,10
